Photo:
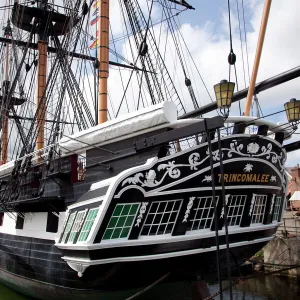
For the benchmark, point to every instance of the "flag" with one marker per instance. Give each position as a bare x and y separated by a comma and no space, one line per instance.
96,4
94,44
94,21
96,11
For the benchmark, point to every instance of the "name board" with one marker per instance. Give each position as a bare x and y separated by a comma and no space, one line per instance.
259,178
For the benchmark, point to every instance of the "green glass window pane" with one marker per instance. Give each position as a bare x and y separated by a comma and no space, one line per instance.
133,209
125,232
89,225
121,222
112,223
126,210
107,234
94,213
71,237
129,221
84,226
118,210
83,236
117,233
80,237
90,216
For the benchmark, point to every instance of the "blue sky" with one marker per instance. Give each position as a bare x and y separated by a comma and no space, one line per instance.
206,33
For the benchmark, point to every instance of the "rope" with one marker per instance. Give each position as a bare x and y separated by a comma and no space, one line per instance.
148,287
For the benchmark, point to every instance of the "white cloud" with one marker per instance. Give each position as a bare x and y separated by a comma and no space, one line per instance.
210,50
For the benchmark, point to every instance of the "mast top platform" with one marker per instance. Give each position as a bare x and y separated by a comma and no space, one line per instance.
36,20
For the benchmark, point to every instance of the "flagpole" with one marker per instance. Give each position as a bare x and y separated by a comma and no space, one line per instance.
103,57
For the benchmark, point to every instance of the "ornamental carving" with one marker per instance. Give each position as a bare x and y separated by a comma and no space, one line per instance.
170,169
248,168
252,204
141,214
188,209
256,151
226,203
272,204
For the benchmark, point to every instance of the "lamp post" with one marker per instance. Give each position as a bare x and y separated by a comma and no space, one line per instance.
292,109
224,92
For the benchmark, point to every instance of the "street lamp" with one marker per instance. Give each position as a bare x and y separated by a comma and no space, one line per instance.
292,109
224,92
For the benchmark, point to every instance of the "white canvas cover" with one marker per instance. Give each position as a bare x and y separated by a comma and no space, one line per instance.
295,196
146,118
6,168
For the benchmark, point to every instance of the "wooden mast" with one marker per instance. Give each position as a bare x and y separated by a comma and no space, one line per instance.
103,57
41,85
261,38
4,142
41,99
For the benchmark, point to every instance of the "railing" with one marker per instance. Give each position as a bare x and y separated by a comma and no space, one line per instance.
290,227
238,125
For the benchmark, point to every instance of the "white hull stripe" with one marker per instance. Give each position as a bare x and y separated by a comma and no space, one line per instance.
87,262
163,239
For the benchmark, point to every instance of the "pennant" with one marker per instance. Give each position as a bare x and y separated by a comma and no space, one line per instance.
96,11
94,44
94,21
96,4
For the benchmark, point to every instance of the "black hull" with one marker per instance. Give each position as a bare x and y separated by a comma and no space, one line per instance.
34,266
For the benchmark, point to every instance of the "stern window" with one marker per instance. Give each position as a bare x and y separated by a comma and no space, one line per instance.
259,209
77,225
235,209
121,221
277,209
87,226
68,226
161,217
202,213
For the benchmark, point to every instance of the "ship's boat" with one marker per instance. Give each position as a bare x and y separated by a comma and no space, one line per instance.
90,206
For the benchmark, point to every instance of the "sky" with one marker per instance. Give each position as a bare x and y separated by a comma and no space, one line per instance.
206,33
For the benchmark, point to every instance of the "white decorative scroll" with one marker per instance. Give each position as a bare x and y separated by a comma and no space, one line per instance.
252,204
142,211
226,203
254,150
188,209
273,178
171,169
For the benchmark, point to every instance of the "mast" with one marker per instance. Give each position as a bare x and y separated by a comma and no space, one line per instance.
261,38
103,57
4,142
41,82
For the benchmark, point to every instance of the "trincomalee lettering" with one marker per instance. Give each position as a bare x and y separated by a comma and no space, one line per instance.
263,178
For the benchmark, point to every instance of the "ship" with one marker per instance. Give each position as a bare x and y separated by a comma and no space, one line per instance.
92,203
